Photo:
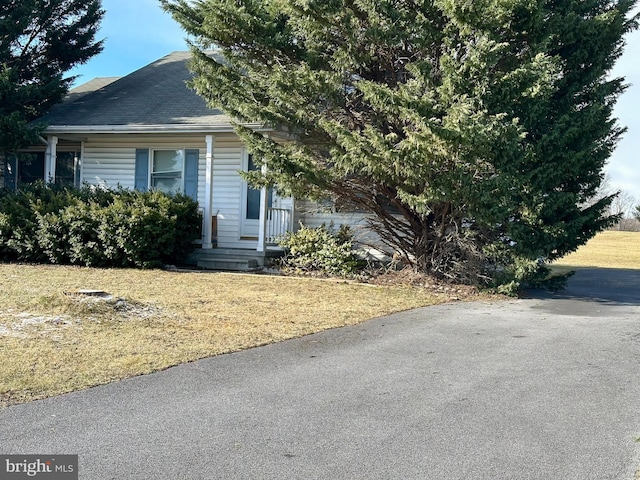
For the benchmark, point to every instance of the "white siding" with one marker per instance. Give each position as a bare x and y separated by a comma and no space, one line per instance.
110,162
108,166
227,191
313,215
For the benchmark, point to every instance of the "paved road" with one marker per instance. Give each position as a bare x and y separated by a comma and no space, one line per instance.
545,387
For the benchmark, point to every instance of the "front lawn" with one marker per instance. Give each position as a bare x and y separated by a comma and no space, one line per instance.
54,340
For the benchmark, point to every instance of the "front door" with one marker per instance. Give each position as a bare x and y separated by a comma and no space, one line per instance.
251,205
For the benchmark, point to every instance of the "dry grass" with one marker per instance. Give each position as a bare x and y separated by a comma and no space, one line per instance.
51,342
610,249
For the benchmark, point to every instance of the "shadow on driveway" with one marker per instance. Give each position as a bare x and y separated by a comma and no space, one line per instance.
609,286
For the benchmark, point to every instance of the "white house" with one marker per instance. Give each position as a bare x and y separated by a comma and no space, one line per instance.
149,130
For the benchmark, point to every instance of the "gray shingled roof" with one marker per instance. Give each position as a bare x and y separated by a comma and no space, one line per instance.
89,87
151,96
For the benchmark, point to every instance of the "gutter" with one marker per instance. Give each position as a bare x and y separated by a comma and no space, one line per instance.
80,129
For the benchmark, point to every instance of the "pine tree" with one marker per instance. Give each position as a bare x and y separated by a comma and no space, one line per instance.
40,40
474,132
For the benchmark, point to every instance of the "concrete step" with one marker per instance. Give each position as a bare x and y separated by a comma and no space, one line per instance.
239,260
230,264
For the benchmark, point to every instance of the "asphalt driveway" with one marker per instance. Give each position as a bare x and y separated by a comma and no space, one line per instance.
546,387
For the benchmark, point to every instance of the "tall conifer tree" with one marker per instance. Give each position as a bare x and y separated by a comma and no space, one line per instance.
40,40
474,132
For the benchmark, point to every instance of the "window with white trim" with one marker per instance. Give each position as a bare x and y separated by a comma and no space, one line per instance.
167,171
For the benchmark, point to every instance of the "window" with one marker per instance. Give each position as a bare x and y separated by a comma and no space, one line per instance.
66,169
171,171
167,171
30,167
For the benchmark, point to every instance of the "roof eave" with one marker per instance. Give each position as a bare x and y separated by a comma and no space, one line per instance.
112,129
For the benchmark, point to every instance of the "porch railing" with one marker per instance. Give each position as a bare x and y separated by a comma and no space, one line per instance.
278,223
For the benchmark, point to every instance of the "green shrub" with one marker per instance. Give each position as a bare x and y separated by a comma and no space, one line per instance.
320,250
142,229
19,214
70,236
96,227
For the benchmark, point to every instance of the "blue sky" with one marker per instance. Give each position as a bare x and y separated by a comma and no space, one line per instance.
138,32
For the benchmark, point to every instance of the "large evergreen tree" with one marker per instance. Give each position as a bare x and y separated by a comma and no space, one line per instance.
475,131
40,40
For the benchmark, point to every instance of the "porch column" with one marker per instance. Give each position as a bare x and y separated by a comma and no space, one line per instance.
77,166
50,159
208,194
262,219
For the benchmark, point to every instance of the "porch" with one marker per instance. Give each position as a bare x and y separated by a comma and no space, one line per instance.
272,225
233,259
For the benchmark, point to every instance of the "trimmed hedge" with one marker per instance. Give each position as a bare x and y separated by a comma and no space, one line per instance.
96,227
